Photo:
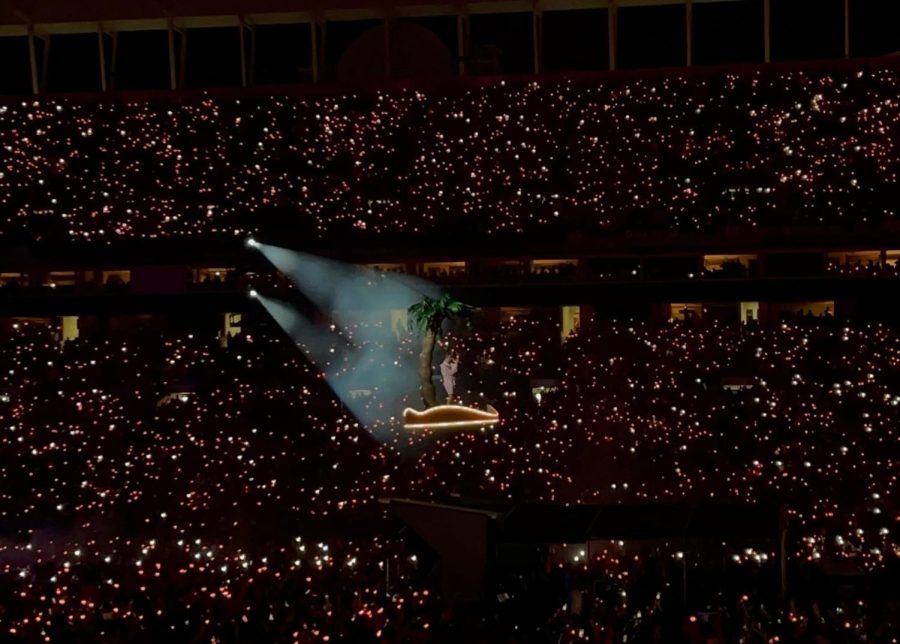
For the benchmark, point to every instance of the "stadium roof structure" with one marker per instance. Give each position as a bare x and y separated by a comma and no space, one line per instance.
18,17
41,19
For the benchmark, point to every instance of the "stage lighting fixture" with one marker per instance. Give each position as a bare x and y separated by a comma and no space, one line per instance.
252,293
252,243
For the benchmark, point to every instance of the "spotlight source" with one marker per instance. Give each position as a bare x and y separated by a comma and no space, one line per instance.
253,293
252,243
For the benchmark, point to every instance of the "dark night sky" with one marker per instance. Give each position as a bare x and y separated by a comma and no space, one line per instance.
573,40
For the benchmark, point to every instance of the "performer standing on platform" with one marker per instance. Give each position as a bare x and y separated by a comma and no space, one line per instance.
448,373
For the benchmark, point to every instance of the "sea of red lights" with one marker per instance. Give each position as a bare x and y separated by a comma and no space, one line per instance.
173,487
751,149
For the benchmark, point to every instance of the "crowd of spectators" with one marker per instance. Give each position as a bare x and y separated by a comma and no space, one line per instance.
512,272
860,268
162,484
688,152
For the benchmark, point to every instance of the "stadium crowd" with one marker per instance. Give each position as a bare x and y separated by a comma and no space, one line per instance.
869,268
710,151
169,484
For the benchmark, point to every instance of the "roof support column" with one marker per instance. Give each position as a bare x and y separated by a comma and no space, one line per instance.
689,26
252,73
323,47
243,44
182,58
537,38
102,55
846,28
462,40
387,47
314,47
45,63
173,78
767,31
612,25
32,60
114,58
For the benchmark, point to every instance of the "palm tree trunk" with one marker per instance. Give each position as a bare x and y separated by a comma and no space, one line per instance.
426,386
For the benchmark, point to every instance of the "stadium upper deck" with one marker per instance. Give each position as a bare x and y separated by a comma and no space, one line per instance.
777,148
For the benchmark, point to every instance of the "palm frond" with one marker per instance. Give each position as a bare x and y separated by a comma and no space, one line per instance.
430,313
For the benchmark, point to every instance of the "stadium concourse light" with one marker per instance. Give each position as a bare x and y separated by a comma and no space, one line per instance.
252,243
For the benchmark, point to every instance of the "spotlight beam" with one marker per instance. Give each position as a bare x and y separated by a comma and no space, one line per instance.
338,289
360,301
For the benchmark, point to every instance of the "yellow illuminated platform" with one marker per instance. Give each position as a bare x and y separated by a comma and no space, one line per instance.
450,416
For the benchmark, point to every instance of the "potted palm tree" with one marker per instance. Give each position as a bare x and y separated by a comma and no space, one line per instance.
427,318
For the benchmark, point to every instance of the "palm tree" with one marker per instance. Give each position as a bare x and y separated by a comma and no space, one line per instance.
427,317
